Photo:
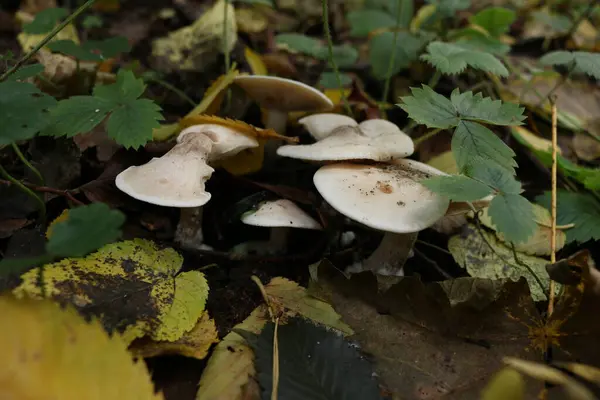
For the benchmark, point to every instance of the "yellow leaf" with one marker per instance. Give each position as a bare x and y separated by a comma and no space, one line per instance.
255,61
423,15
238,125
53,353
210,104
130,286
29,41
506,384
335,95
194,344
62,217
194,46
531,140
247,161
251,20
445,162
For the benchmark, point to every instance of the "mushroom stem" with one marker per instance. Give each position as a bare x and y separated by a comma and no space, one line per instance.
390,255
189,229
277,120
278,239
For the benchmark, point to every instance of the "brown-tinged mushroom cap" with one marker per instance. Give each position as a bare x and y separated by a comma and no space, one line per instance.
280,213
388,198
227,142
321,125
175,179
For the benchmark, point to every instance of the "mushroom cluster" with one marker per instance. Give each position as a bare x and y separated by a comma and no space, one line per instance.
368,179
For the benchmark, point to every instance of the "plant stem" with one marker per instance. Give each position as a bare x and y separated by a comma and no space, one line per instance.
388,78
432,84
336,71
27,191
426,136
48,38
226,52
24,160
560,82
173,89
584,15
553,201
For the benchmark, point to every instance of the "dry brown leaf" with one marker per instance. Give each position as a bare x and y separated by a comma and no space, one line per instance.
586,148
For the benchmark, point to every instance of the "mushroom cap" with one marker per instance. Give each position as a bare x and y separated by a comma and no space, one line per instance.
321,125
280,213
227,142
173,180
285,95
377,127
350,143
384,197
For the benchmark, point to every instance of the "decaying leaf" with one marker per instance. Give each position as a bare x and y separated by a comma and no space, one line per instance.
247,161
251,19
445,162
193,47
50,352
255,61
131,286
194,344
240,126
586,147
230,370
506,384
531,140
473,253
28,40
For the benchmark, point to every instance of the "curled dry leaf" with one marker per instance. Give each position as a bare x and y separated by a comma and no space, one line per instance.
52,352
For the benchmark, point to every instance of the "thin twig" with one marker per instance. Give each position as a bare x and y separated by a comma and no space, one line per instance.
265,296
388,78
427,136
12,181
336,70
584,15
563,79
26,162
275,387
433,263
69,194
173,89
553,203
433,246
47,39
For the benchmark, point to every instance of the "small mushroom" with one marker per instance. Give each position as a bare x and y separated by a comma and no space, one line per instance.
281,216
227,142
280,96
385,197
321,125
377,142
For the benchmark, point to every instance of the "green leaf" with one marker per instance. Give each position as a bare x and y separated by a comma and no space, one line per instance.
381,47
405,9
45,20
92,21
513,216
470,38
556,22
23,111
492,174
328,80
429,108
92,50
314,363
580,209
495,20
77,114
585,62
71,48
86,229
449,8
27,71
452,58
362,22
485,109
473,142
472,253
298,43
458,187
344,55
131,124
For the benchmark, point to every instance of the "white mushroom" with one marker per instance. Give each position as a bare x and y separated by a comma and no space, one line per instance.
354,143
227,142
387,198
281,216
321,125
280,96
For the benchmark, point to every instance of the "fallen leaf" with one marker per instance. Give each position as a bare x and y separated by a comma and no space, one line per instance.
51,352
131,286
29,41
506,384
255,61
63,216
195,343
97,138
280,64
445,162
531,140
238,125
251,20
11,225
586,147
245,162
472,253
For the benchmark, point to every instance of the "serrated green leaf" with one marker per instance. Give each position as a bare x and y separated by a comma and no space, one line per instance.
429,108
475,107
314,363
71,48
362,22
585,62
27,71
131,124
92,21
495,20
45,20
458,187
580,209
126,88
344,55
450,7
473,142
298,43
23,111
513,216
77,114
497,176
473,253
328,80
381,47
86,229
108,48
470,38
452,58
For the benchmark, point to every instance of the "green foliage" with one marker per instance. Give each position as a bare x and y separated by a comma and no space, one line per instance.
92,21
556,22
450,7
27,71
23,111
581,61
45,20
495,20
328,80
130,119
86,229
474,39
458,187
362,22
314,363
454,58
343,55
92,50
261,2
580,209
480,155
381,47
